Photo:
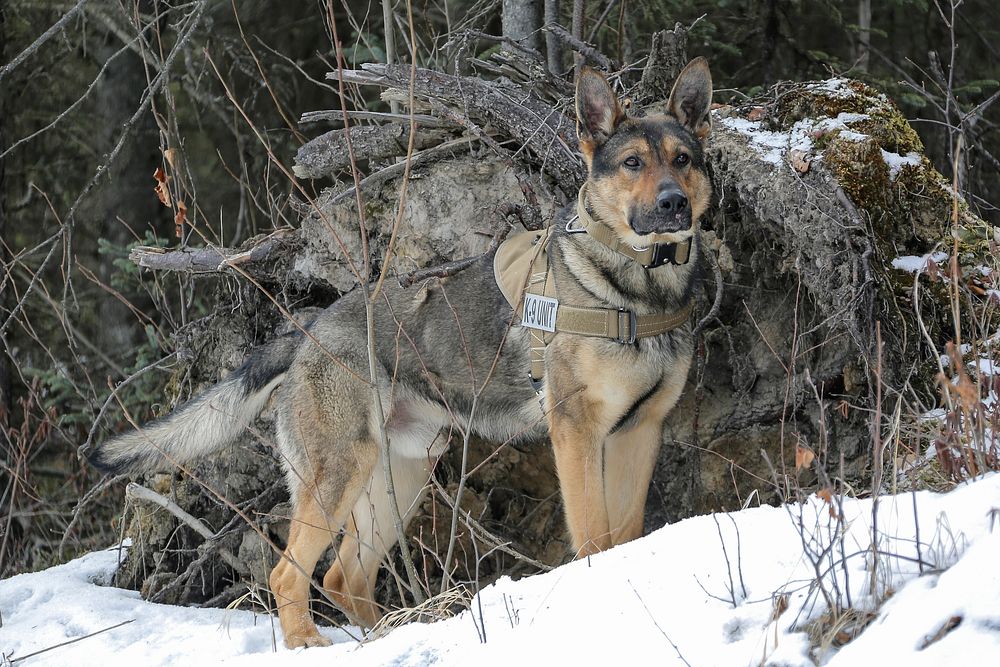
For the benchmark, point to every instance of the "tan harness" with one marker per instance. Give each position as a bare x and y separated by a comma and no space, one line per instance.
521,269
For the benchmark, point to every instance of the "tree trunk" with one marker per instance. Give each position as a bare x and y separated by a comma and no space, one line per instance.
864,34
521,22
553,50
6,399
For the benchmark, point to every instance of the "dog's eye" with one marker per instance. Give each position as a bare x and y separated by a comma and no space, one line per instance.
682,159
632,162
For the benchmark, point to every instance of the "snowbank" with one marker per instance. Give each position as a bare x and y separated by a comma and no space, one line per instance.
664,599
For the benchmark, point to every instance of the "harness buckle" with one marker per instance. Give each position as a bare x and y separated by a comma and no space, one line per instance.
664,253
626,316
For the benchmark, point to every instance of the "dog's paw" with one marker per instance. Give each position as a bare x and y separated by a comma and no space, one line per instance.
310,640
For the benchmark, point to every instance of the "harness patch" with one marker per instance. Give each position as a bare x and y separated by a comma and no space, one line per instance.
539,312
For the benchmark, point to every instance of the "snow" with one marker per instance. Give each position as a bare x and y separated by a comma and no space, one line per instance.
837,88
896,162
631,605
774,146
915,263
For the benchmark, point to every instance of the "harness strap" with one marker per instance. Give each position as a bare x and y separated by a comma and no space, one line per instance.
522,272
623,326
650,257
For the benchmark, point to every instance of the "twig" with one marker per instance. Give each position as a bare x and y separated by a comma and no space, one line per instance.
453,267
376,397
71,641
44,37
653,619
85,448
713,312
497,542
66,226
210,259
138,492
78,510
729,567
391,171
585,50
338,116
739,555
877,456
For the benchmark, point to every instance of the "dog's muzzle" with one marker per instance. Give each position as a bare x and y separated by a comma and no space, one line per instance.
671,213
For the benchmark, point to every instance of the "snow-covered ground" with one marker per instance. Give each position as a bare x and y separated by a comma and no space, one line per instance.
667,599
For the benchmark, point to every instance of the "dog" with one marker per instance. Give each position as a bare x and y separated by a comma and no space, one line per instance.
450,351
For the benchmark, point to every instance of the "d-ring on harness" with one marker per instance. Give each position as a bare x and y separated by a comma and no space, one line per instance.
522,272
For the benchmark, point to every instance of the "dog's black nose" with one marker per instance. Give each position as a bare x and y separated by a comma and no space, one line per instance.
671,201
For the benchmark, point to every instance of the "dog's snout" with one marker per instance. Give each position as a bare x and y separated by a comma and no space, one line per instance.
671,200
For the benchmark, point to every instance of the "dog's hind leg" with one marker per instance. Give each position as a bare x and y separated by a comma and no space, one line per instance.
320,512
370,535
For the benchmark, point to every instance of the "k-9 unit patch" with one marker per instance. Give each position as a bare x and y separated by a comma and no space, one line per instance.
539,312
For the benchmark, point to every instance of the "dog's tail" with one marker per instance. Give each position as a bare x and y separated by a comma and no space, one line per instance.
206,423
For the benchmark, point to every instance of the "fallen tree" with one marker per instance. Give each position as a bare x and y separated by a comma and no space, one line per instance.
806,331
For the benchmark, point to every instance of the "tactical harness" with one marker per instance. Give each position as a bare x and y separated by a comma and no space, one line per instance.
521,269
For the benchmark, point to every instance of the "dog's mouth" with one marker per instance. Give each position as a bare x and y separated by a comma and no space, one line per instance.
644,225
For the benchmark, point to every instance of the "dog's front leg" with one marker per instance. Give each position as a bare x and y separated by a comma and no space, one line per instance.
630,457
579,452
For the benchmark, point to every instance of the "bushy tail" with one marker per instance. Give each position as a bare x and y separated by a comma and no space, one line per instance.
206,423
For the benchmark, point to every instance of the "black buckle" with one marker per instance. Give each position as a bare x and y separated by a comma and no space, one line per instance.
664,253
631,326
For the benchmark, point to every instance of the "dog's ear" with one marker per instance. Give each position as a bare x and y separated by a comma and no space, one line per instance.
597,110
691,98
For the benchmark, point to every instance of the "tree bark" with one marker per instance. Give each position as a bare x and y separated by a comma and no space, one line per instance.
553,51
864,34
6,397
521,21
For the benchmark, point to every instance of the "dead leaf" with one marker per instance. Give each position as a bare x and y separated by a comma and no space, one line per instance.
799,160
779,605
162,191
843,407
170,155
947,627
826,495
756,113
932,269
803,457
179,219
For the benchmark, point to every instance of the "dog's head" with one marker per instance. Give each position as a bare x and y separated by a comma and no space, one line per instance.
647,175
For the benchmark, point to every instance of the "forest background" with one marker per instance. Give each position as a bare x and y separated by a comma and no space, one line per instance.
97,97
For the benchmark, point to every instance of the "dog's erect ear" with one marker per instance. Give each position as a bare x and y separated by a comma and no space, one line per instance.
691,98
597,110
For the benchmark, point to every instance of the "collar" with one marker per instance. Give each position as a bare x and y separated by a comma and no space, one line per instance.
650,257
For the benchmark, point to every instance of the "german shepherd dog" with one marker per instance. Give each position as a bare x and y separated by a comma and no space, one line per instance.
447,353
